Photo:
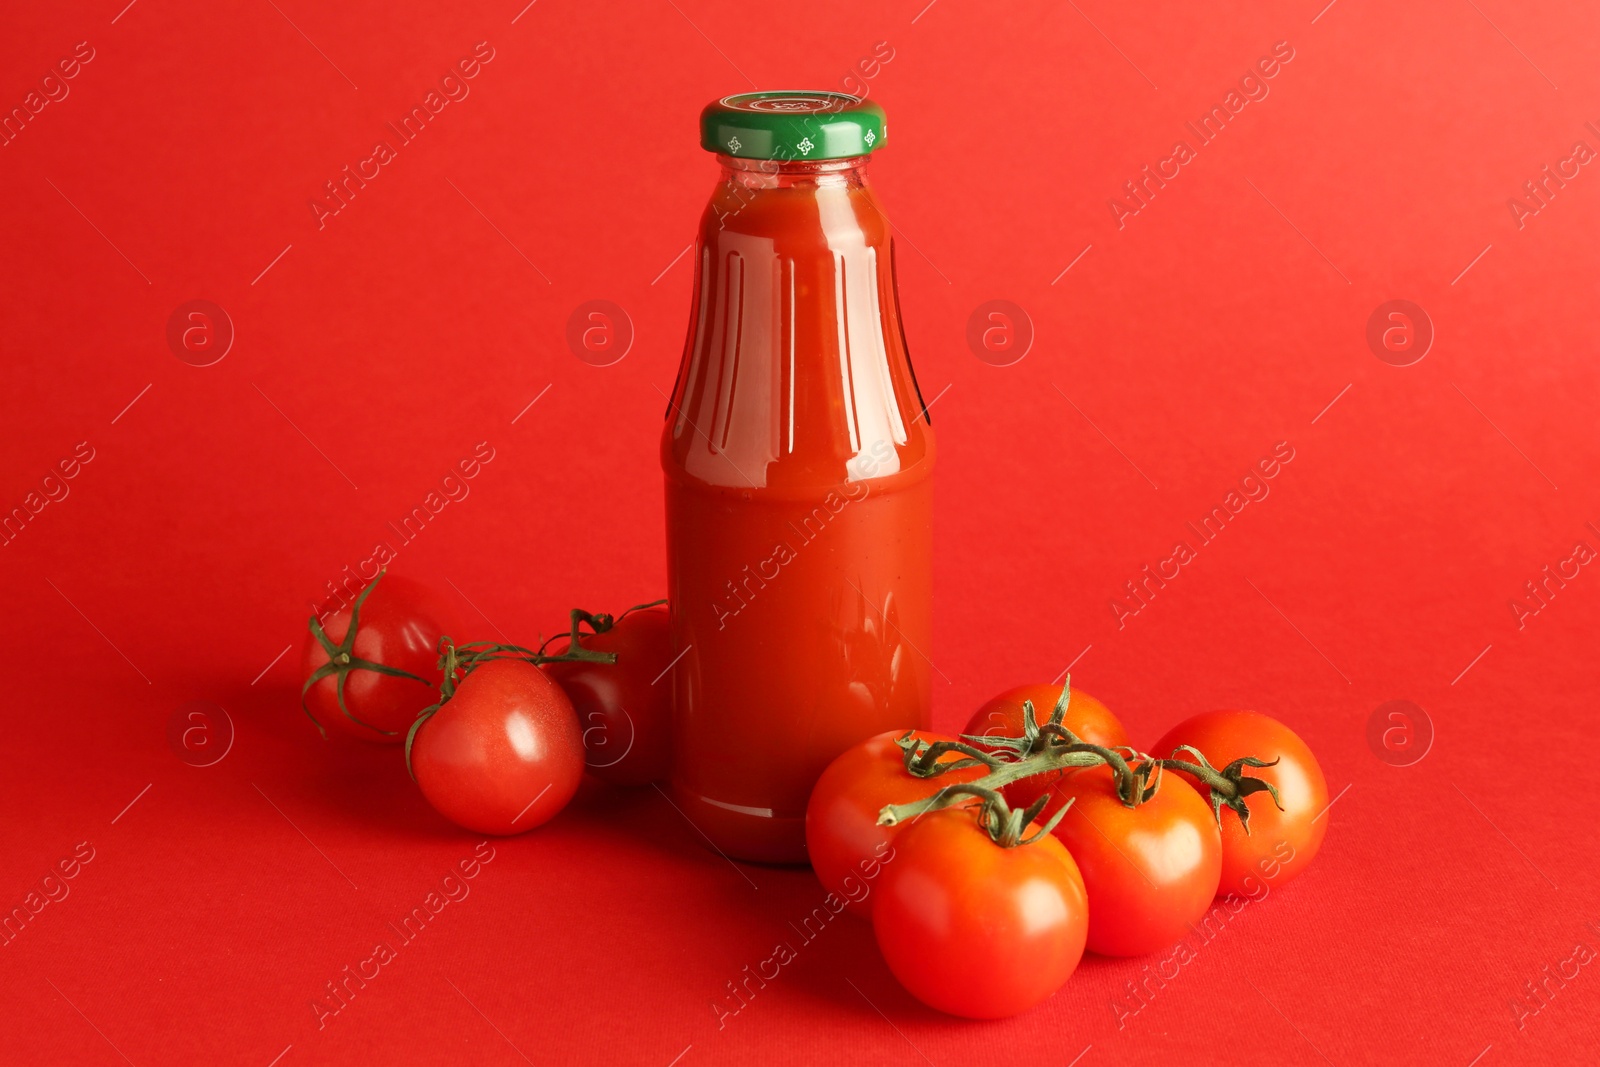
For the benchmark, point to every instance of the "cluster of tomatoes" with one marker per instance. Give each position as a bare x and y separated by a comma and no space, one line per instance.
499,743
987,864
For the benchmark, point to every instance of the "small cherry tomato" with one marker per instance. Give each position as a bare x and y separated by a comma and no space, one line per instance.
974,929
1151,871
624,708
1279,844
374,686
846,845
503,754
1085,716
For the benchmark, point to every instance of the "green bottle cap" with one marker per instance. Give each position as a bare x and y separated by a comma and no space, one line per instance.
793,125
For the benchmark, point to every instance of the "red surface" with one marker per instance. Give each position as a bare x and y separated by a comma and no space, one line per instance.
1207,330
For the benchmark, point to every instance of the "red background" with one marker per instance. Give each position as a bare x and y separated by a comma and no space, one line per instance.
1221,319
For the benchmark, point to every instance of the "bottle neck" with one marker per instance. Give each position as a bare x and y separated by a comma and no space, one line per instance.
756,174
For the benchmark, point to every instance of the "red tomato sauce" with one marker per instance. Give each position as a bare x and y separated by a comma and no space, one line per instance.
797,457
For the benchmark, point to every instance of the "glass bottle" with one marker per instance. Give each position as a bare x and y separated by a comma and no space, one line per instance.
797,455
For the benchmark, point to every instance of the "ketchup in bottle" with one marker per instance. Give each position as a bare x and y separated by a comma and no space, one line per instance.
797,455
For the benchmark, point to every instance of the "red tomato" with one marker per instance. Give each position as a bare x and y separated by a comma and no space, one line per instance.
398,626
974,929
1280,843
1151,871
504,754
624,708
1002,717
846,845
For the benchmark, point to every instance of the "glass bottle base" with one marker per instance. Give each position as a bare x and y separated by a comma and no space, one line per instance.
756,835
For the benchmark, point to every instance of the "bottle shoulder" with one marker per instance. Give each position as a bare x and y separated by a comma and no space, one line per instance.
883,466
794,368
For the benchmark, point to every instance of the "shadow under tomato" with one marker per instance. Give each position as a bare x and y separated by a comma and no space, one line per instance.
364,783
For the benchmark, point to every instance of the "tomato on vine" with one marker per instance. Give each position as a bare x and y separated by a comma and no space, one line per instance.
624,708
1285,824
1002,717
977,927
369,668
501,751
846,845
503,754
1150,858
1147,845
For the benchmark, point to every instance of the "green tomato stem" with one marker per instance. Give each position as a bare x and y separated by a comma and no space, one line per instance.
1050,747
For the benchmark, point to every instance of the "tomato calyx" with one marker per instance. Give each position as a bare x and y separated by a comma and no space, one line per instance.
1050,747
342,660
458,661
1228,786
1035,735
1136,775
1005,825
1133,780
598,624
1043,748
